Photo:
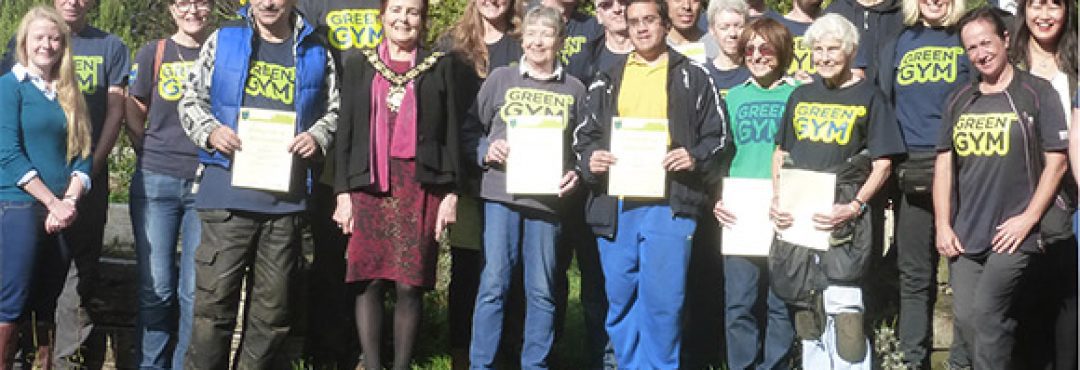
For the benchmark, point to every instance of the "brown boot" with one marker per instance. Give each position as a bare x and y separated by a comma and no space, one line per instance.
8,338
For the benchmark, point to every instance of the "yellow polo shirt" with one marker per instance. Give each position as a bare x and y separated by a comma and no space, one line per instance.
643,93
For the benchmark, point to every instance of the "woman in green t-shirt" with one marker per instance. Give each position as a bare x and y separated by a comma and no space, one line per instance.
755,108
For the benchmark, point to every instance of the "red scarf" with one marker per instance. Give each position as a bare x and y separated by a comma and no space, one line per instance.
403,143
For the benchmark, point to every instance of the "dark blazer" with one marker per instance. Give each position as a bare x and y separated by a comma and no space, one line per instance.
439,114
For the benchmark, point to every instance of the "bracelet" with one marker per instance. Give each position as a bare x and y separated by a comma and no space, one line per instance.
861,206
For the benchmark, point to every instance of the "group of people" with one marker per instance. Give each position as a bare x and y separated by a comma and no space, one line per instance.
957,120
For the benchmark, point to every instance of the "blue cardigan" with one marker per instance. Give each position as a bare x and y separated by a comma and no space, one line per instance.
33,136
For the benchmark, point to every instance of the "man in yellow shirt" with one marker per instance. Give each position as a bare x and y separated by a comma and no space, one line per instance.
645,242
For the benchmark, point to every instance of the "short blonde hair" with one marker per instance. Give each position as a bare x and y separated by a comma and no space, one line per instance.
717,6
832,26
912,15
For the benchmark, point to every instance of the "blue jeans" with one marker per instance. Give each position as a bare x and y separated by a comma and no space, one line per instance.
645,280
163,211
511,235
32,263
744,279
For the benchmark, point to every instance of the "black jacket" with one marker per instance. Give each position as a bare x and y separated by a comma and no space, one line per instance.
582,64
877,25
697,123
439,106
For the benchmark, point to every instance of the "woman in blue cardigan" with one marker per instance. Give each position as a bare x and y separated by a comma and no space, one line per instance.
44,162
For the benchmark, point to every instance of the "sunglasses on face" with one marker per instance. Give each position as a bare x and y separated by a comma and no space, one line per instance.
607,5
765,50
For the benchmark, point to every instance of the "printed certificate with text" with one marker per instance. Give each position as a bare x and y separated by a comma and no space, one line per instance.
535,162
265,162
639,146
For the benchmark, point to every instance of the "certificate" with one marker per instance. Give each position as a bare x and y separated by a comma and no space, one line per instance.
752,234
265,162
535,163
804,193
639,146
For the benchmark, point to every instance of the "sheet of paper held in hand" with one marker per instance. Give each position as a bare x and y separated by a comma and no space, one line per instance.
535,163
639,146
752,234
804,193
265,162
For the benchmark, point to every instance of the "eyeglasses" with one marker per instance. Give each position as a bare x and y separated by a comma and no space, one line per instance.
765,50
647,20
192,6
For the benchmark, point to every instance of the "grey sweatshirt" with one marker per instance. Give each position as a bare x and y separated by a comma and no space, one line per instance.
513,91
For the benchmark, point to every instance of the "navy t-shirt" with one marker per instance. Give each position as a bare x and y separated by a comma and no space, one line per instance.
504,52
725,80
801,60
584,65
929,64
824,127
994,180
271,84
580,28
347,24
166,148
101,60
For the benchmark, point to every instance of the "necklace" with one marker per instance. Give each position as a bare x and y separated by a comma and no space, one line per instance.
396,95
1041,59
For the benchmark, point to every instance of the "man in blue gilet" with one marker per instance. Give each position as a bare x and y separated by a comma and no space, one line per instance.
271,64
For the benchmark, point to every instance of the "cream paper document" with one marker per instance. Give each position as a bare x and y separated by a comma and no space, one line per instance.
753,232
639,146
265,162
804,193
535,162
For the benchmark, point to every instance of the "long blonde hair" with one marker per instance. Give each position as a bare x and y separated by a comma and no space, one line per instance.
67,86
467,35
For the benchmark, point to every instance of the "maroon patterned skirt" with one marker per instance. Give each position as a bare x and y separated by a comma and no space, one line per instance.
393,236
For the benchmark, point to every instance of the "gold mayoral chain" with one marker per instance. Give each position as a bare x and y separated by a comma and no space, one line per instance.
398,81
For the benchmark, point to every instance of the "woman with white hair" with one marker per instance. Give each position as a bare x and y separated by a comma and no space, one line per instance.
520,227
840,124
920,65
726,21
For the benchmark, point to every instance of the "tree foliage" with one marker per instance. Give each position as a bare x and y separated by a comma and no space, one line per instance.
136,22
